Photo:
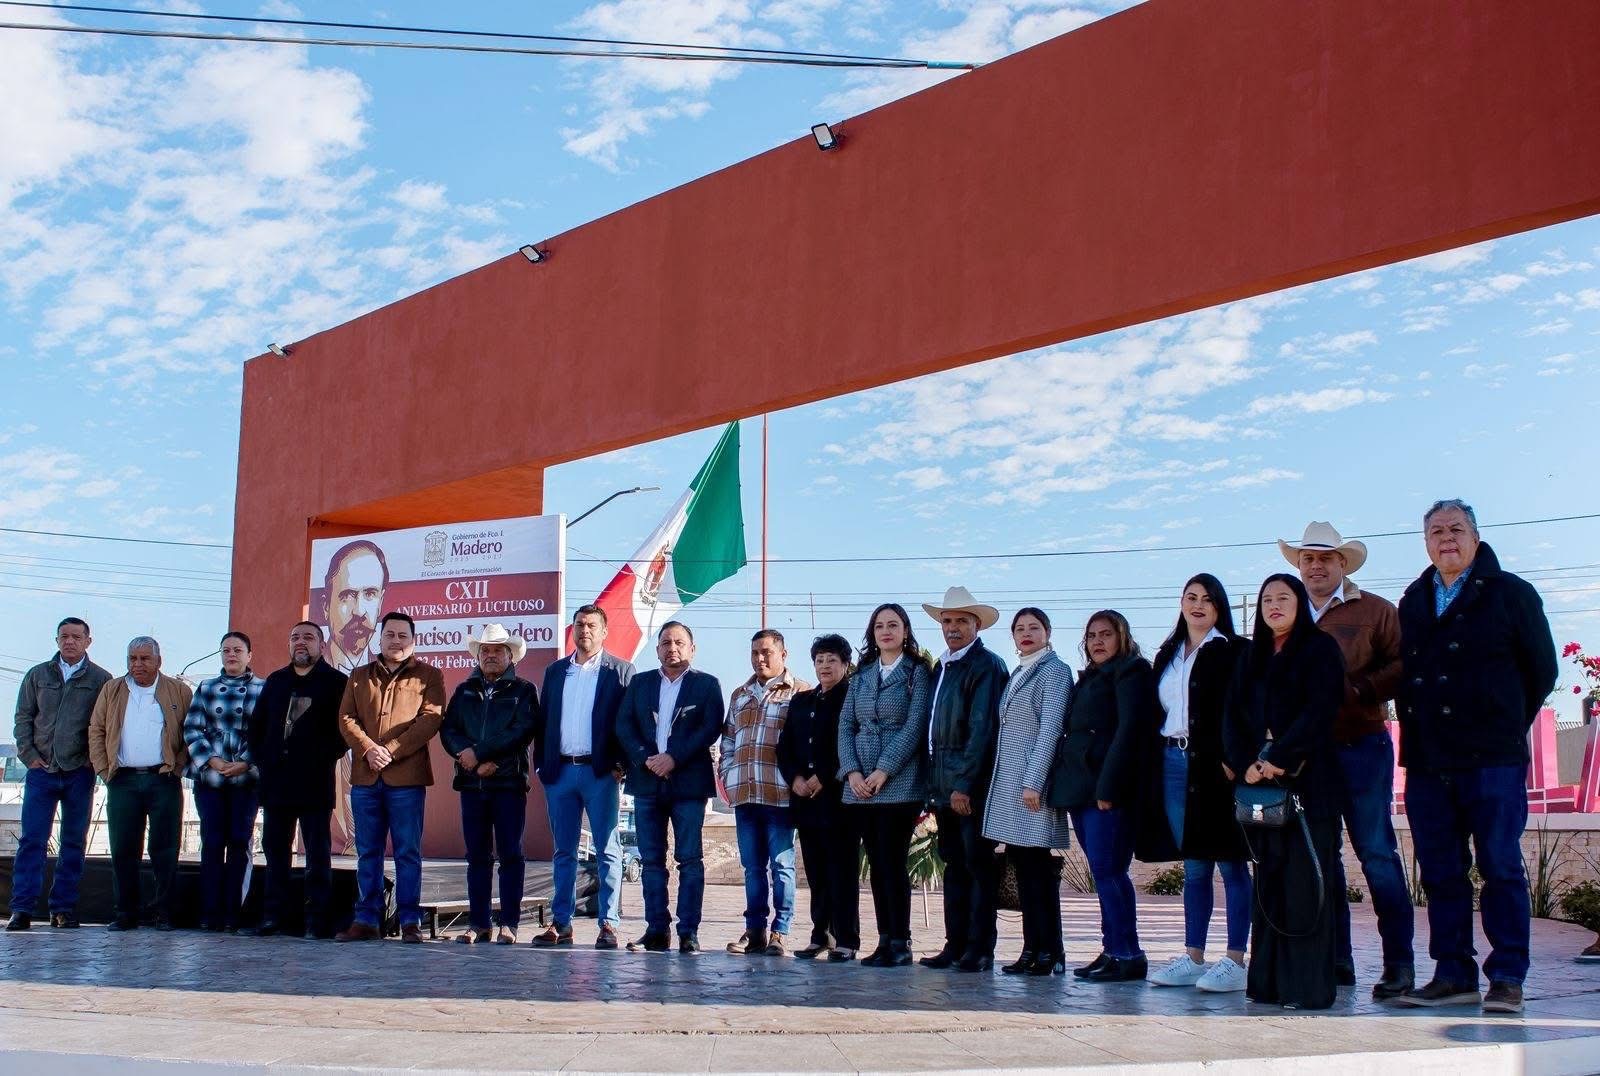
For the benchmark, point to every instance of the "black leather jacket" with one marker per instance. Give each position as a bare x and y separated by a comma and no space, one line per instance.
966,724
497,724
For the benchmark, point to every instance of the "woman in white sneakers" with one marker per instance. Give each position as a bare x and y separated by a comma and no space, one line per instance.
1189,806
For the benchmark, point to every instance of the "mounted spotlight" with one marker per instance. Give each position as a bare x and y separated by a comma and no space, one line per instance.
532,253
825,137
278,350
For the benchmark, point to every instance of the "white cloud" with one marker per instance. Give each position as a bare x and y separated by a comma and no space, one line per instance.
1554,327
1588,299
1423,319
1319,402
1491,287
922,478
1258,478
1451,261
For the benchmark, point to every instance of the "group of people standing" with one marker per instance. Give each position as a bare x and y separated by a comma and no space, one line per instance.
1159,760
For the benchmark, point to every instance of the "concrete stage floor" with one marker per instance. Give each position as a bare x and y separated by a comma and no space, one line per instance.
89,1001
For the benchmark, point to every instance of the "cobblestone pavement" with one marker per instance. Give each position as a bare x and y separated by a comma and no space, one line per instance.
91,999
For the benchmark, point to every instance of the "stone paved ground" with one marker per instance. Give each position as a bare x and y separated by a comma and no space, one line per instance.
88,1000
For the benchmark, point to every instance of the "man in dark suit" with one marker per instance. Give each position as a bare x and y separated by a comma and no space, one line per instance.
670,718
578,759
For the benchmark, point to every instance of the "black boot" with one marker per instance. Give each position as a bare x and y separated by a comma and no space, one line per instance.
1090,968
1049,964
899,954
942,959
1397,979
879,957
1020,965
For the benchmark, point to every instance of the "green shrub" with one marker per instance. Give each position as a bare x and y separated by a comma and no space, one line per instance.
1581,904
1166,882
1354,895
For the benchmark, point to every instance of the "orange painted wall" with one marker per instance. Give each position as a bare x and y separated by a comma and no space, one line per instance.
1168,158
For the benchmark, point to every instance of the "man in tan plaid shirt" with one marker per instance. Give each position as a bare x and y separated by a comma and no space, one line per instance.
758,794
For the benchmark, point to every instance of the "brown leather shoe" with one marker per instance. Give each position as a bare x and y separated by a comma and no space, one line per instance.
607,939
411,934
775,945
357,931
750,943
550,937
472,937
506,936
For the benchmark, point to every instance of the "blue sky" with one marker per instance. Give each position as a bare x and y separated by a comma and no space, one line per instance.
166,209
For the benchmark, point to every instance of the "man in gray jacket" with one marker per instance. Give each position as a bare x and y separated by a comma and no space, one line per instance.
52,733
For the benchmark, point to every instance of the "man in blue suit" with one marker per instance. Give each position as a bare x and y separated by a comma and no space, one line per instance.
578,759
670,718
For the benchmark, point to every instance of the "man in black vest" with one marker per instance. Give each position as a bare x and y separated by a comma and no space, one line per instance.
295,740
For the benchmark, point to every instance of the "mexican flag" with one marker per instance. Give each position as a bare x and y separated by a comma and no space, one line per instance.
697,545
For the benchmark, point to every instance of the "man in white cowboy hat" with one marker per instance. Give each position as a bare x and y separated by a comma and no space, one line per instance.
1367,629
487,729
961,742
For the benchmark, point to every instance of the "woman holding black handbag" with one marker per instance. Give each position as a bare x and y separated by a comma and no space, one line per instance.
1285,694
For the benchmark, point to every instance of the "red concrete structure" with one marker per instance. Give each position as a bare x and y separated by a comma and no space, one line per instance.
1168,158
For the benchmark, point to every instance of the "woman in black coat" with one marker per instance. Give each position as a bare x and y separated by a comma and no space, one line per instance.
1286,691
1188,811
1096,780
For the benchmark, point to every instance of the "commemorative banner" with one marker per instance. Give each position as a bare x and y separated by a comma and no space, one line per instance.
451,579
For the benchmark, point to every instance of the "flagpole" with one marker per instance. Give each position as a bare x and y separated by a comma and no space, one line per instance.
763,520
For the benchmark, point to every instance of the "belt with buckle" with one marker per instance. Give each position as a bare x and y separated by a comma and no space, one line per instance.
1180,742
138,769
577,760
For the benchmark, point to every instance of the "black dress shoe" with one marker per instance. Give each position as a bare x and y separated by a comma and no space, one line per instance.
123,924
942,959
879,957
164,925
650,942
248,932
689,944
19,921
1020,965
267,929
1396,981
1049,964
1440,992
64,920
899,954
974,962
1118,969
1093,966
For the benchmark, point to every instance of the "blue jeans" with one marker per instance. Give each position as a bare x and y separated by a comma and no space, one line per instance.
1199,894
227,826
1107,839
1367,769
384,813
766,844
1488,806
42,792
492,822
576,791
650,817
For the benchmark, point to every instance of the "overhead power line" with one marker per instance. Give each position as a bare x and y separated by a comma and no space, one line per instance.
260,20
796,60
114,538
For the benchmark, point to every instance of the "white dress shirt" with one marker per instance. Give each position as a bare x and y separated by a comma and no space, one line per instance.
885,671
1174,687
945,659
142,726
67,671
666,706
1333,599
577,706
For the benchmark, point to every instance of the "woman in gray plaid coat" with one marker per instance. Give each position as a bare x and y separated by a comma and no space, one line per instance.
883,733
1031,712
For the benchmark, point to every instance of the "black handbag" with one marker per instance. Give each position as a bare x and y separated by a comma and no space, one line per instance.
1265,805
1272,806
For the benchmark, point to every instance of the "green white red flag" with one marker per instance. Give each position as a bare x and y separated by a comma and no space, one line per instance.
698,544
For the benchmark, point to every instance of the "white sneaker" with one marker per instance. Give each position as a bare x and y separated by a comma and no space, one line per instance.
1223,977
1181,970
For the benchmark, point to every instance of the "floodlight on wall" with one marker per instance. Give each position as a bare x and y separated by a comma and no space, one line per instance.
278,350
532,253
825,137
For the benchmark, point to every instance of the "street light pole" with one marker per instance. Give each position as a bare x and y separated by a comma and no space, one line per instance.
608,500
